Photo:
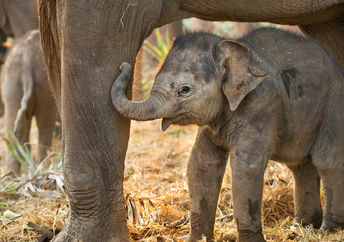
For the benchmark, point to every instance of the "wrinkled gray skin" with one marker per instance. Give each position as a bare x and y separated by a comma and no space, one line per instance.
26,93
269,95
84,42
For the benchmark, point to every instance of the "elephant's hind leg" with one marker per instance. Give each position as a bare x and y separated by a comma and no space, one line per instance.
331,173
328,158
12,98
46,118
307,194
333,183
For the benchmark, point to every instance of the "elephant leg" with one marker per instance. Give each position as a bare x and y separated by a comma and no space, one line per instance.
12,95
333,185
22,133
307,194
10,116
248,161
95,37
328,157
46,119
206,167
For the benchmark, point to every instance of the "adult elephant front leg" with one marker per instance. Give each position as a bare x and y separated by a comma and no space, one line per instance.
206,167
91,45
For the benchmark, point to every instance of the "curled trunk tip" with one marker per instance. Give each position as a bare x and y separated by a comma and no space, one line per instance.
125,67
149,109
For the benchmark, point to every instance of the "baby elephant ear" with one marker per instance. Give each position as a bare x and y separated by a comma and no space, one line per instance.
244,71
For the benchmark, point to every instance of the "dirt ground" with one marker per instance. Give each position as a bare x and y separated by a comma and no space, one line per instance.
156,196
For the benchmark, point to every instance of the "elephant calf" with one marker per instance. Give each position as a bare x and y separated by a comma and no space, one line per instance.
269,95
25,92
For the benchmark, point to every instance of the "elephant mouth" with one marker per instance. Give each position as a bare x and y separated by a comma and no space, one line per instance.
166,122
180,119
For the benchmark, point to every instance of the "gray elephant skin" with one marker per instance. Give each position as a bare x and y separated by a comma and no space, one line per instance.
269,95
17,17
84,42
26,93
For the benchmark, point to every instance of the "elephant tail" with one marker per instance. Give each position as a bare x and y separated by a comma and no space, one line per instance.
23,112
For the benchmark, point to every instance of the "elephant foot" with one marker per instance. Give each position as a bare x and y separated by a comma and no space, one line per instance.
331,226
250,236
90,232
198,236
65,235
195,238
315,220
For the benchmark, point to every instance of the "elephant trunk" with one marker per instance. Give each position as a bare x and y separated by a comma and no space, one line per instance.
152,108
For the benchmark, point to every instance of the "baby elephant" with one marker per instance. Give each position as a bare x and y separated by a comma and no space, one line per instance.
25,91
269,95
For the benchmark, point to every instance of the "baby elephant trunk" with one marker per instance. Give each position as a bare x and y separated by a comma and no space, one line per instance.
152,108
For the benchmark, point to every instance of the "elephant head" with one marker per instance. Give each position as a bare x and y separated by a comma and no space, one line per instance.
201,72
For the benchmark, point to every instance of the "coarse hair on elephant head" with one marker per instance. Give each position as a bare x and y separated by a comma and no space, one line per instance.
188,88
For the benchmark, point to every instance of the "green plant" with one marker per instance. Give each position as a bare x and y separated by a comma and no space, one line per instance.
23,155
37,175
162,47
9,188
158,52
3,206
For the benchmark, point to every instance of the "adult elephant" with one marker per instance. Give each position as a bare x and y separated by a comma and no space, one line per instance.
84,43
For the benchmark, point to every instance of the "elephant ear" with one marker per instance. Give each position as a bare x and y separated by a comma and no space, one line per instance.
244,71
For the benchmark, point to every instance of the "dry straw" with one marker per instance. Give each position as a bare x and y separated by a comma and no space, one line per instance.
157,197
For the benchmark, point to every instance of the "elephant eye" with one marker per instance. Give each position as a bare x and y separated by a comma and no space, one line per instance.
184,90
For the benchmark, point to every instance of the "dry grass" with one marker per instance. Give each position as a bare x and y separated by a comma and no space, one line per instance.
157,199
156,194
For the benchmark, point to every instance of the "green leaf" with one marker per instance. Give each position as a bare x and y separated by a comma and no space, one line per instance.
159,39
11,191
3,205
14,153
24,152
162,47
152,52
154,49
6,186
168,38
165,45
